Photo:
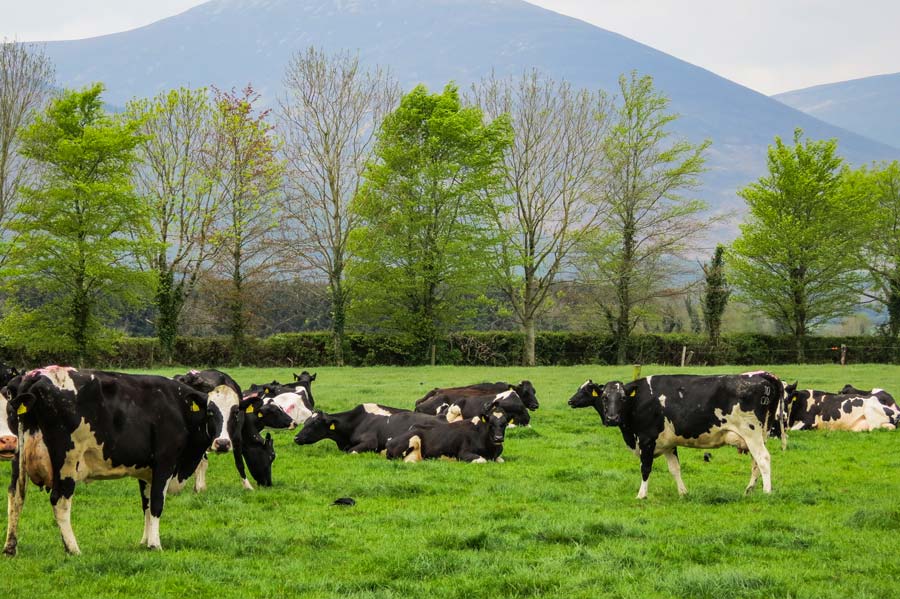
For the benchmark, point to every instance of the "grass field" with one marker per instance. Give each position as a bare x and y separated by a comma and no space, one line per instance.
558,519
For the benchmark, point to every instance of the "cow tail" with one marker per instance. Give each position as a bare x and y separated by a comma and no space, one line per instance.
20,443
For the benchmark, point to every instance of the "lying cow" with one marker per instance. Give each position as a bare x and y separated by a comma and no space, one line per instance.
880,394
367,427
478,439
810,410
657,414
474,406
293,399
432,400
84,425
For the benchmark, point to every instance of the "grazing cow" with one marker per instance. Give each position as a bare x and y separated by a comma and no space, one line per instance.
84,425
432,400
810,410
305,379
509,402
478,439
657,414
367,427
245,421
880,394
222,391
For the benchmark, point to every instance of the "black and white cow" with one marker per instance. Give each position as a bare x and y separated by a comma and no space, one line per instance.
811,410
8,438
432,400
224,393
245,422
305,380
84,425
367,427
657,414
508,401
880,394
478,439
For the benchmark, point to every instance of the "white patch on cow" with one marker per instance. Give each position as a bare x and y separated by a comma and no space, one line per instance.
153,541
650,385
415,450
675,471
475,420
293,405
754,373
497,414
374,408
246,484
454,413
85,460
662,400
479,460
62,511
223,397
504,395
586,384
58,375
877,391
642,492
499,459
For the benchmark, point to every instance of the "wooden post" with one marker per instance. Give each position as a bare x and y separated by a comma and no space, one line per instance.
843,355
636,373
683,354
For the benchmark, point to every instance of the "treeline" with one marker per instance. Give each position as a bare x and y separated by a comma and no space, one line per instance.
519,203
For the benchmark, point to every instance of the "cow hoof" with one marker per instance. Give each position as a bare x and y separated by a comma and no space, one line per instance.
479,461
499,460
154,547
247,484
10,550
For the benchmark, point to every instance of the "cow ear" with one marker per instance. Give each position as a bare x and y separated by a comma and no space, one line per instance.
511,388
313,377
296,376
631,389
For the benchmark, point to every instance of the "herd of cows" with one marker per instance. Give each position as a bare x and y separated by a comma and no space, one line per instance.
64,425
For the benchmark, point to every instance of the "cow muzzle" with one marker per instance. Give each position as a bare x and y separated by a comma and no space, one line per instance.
221,446
8,445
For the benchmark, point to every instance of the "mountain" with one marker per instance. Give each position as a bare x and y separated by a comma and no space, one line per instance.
868,106
233,42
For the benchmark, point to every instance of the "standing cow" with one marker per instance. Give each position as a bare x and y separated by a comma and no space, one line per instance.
657,414
84,425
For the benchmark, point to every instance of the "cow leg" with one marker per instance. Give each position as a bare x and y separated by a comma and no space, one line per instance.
647,450
61,500
145,506
14,502
754,475
675,470
366,442
761,461
200,475
238,451
157,501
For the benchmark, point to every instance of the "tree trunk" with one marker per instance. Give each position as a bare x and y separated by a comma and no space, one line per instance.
236,308
168,306
338,319
798,340
529,341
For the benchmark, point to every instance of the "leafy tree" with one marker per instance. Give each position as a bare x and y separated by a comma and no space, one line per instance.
78,231
880,243
422,247
715,294
648,223
795,260
549,178
26,75
176,176
329,119
248,177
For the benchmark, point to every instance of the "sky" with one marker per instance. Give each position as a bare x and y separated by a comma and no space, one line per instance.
771,46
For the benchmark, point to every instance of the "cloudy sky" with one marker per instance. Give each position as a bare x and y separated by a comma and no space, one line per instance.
768,45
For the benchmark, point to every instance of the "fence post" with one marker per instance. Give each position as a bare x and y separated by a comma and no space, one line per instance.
843,355
683,354
636,373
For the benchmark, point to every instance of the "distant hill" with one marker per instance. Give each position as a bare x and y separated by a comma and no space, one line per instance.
868,106
232,42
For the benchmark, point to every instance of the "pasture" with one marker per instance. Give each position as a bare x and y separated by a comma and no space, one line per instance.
558,519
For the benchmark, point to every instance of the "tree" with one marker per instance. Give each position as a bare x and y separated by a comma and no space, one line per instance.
648,223
329,119
715,294
795,260
176,177
26,75
248,178
549,177
80,230
423,240
880,247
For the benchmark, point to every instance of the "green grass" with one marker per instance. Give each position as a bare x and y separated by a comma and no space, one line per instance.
558,519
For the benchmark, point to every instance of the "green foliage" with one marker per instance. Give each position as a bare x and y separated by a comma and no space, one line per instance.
425,206
796,259
77,235
715,293
648,220
558,519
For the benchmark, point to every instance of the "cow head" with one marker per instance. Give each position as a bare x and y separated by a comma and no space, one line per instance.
317,427
271,415
588,395
305,379
514,407
7,373
496,421
527,393
613,402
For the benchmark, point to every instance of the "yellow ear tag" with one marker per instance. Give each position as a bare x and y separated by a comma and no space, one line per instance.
22,409
194,407
482,419
594,393
331,428
512,421
266,391
250,409
259,414
634,392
